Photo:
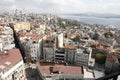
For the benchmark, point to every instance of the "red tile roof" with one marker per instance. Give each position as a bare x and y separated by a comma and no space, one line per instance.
2,24
111,58
62,69
49,39
33,36
13,56
71,46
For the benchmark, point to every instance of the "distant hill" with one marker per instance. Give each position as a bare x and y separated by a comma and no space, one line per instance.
96,15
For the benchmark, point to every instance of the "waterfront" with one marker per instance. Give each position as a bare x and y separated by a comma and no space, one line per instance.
93,20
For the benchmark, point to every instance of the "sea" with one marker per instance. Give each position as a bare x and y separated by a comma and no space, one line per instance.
114,22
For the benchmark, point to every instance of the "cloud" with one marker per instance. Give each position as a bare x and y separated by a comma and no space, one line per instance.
62,6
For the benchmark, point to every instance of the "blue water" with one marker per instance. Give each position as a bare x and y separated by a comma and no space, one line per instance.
93,20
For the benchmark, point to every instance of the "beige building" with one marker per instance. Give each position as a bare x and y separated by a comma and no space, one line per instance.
22,26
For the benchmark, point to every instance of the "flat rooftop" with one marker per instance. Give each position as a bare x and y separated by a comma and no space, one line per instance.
88,73
9,58
47,68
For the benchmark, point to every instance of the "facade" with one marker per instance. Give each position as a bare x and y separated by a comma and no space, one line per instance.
6,30
81,57
7,41
6,38
49,47
112,64
32,44
60,56
70,53
33,49
11,65
60,40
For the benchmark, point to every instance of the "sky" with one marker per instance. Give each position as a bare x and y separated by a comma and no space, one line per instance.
61,6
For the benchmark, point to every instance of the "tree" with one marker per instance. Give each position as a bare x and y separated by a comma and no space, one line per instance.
100,58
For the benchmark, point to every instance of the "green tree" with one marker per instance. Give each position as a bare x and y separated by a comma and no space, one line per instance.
100,58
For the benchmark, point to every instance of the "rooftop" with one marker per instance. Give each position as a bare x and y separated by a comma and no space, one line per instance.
32,36
59,69
49,39
71,46
9,58
111,58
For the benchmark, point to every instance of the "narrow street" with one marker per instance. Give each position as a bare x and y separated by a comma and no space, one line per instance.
32,74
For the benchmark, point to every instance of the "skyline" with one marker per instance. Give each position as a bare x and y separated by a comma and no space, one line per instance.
62,6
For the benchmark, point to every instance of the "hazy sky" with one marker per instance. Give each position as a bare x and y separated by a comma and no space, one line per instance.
61,6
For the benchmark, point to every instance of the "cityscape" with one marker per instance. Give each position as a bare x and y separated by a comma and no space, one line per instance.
42,46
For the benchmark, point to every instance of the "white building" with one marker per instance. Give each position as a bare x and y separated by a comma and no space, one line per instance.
33,46
60,56
6,30
33,49
7,41
60,40
11,65
6,38
81,57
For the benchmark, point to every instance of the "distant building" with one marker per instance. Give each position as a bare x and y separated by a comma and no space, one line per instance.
11,65
112,64
22,26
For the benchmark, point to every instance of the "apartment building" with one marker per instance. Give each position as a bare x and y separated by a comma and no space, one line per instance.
49,47
60,56
21,26
70,51
60,72
112,64
6,30
81,57
32,43
11,65
6,37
